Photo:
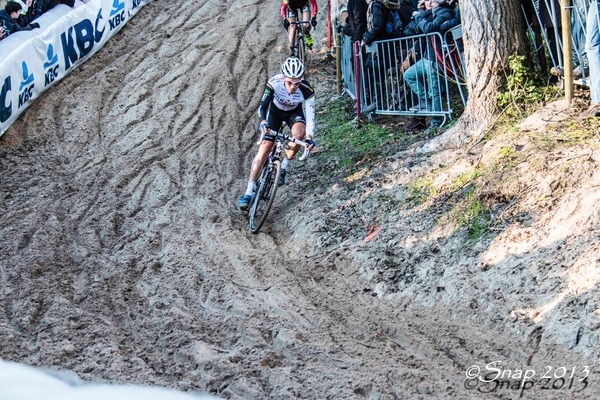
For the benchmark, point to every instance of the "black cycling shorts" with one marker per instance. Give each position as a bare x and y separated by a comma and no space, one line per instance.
295,5
275,117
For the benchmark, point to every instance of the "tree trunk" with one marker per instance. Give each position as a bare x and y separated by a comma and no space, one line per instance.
492,31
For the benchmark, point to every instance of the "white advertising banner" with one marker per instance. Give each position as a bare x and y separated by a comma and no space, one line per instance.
32,61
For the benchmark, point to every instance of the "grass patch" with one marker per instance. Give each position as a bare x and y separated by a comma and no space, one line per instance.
475,217
463,179
350,141
420,190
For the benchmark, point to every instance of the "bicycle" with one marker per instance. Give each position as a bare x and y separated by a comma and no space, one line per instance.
266,186
300,42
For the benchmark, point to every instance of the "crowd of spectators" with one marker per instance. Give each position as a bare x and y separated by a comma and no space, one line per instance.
19,15
375,20
369,21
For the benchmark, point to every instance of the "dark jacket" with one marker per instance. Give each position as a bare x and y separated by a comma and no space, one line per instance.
428,23
40,7
10,25
446,26
27,18
412,28
356,25
381,10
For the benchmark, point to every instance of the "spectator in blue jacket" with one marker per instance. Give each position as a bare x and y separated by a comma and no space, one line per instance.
592,46
9,17
423,77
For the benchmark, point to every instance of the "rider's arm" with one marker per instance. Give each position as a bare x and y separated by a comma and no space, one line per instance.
314,7
265,102
284,9
309,114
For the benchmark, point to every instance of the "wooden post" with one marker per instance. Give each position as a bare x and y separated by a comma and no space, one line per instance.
567,42
329,24
338,62
357,68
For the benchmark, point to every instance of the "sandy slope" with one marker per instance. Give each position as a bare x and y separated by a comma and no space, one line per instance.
124,259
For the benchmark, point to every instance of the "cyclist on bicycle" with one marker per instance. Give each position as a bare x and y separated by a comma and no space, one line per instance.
288,13
282,101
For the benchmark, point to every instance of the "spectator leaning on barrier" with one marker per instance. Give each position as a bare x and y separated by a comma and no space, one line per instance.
26,12
9,17
423,77
356,25
381,25
383,20
41,6
411,28
592,47
446,26
413,55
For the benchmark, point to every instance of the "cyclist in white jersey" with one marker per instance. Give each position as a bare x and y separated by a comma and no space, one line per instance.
282,101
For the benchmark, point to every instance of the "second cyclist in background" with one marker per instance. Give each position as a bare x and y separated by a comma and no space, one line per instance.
309,13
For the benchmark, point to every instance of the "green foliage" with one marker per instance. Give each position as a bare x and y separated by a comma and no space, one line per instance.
350,141
522,93
475,217
464,178
420,190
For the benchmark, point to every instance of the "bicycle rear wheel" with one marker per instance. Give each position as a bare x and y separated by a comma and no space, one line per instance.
264,196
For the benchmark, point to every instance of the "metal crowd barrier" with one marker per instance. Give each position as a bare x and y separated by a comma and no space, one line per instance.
348,69
546,16
388,68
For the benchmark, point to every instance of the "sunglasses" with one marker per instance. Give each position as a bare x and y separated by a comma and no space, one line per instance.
292,83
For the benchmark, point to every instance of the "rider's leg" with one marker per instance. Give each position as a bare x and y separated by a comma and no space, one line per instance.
298,132
292,29
259,160
306,18
255,169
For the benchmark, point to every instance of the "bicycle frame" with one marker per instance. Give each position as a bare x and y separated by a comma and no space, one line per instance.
300,42
268,182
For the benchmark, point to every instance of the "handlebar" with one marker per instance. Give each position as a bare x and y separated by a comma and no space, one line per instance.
289,138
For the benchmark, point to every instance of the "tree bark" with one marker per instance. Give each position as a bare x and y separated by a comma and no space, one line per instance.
492,31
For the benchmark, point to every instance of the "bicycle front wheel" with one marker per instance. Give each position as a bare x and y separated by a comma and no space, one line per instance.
302,50
265,194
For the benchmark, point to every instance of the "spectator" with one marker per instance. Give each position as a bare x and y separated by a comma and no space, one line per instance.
580,60
579,56
382,16
454,22
26,12
380,26
339,13
592,46
9,17
423,77
411,28
41,6
356,25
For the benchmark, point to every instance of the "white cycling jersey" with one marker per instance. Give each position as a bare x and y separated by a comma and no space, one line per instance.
285,101
277,94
